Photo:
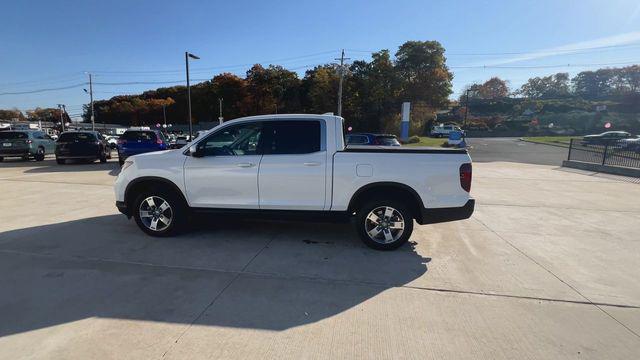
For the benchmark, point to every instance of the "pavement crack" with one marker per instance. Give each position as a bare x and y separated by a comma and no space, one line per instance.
599,306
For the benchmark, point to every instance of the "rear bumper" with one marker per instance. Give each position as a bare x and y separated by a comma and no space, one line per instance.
122,207
438,215
15,152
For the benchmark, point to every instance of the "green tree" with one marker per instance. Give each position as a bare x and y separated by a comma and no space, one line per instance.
425,77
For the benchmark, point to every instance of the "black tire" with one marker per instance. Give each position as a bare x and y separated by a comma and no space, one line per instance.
39,156
362,221
103,157
178,211
61,161
120,161
1,159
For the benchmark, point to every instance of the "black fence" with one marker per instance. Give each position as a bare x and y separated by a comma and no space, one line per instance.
612,153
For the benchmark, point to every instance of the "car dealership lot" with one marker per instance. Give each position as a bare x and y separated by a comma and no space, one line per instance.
546,268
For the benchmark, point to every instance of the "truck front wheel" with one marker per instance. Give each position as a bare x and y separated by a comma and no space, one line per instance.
159,212
384,224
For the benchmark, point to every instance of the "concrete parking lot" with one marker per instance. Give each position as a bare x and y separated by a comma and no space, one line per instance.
547,267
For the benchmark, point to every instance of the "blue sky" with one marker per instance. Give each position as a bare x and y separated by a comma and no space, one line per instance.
50,44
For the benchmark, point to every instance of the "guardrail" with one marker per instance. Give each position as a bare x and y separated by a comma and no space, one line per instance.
610,153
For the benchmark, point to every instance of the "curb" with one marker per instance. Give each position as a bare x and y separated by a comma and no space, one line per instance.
602,168
543,143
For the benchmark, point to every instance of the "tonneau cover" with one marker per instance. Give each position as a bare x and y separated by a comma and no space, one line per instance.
402,149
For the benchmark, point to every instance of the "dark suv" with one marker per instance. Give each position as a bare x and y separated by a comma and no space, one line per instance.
82,145
25,144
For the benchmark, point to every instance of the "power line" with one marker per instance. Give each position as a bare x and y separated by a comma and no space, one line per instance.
43,90
214,67
537,66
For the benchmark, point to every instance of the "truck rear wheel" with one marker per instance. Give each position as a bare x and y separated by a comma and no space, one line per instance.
384,224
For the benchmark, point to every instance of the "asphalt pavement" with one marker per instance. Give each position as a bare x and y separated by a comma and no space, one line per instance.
515,150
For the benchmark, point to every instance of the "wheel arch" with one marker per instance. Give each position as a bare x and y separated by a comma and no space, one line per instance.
384,189
145,182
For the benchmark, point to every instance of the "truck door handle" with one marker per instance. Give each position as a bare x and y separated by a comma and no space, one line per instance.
311,164
245,165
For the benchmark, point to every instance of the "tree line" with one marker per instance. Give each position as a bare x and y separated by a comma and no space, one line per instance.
588,85
373,91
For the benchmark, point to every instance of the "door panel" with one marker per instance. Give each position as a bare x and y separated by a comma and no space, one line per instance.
222,181
293,182
225,172
294,164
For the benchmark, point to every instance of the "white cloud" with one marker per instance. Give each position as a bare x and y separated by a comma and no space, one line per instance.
615,40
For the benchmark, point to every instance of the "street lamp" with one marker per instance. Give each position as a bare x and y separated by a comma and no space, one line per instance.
187,55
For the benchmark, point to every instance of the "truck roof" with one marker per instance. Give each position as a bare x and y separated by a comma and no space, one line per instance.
288,117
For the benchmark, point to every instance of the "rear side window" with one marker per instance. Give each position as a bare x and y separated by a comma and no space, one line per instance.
81,137
11,135
292,137
145,136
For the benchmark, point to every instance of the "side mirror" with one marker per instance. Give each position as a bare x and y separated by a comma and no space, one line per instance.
193,151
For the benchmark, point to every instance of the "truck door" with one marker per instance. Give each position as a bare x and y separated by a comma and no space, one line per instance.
226,175
294,164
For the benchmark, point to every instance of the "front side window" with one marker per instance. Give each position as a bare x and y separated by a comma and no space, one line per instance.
292,137
237,140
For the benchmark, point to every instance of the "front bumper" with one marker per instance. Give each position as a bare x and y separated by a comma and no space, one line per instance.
438,215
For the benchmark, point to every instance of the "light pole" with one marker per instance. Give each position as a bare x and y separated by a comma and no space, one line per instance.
187,55
220,118
466,111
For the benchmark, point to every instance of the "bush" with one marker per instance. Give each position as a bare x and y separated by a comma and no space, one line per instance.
413,139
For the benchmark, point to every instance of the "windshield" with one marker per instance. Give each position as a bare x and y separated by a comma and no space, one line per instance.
79,137
11,135
387,140
142,136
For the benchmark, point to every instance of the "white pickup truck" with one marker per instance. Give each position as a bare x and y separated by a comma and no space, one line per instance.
297,165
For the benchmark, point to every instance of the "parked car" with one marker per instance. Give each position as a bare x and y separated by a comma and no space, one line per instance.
372,139
181,140
134,142
82,145
630,144
443,130
26,144
605,138
299,165
112,140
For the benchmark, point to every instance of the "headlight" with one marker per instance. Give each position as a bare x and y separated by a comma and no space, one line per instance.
126,164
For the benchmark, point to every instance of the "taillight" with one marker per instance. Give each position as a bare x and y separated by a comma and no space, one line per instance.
158,141
465,177
29,141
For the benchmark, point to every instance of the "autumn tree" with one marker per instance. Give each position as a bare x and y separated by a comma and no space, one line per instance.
421,65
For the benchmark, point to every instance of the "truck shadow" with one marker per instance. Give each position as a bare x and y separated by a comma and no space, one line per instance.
233,273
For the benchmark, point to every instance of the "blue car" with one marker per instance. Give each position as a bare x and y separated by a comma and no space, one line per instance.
134,142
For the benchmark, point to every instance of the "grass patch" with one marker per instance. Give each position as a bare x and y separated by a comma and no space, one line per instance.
552,140
429,141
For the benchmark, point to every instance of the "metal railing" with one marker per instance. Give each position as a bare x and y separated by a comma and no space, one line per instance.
611,153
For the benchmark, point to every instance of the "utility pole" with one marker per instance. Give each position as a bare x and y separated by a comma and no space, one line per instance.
342,59
61,117
220,118
466,112
93,117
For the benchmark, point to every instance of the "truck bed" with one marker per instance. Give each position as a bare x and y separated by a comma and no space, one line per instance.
401,149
